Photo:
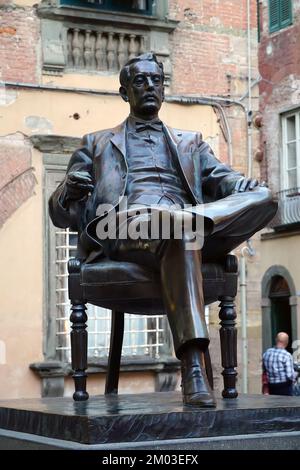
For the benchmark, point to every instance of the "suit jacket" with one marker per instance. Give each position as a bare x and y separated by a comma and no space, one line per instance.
103,155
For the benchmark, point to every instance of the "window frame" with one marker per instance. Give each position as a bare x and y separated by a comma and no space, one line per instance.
281,23
54,169
285,142
108,7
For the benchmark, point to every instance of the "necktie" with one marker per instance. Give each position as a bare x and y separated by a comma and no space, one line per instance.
152,125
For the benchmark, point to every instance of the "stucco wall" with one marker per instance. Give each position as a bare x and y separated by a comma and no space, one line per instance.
209,56
22,238
21,287
283,251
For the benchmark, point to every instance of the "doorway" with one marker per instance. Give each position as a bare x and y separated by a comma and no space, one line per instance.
279,306
281,319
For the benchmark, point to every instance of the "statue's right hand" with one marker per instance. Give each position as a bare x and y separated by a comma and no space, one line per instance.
78,184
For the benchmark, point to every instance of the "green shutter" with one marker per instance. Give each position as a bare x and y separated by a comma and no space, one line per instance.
285,13
280,14
258,20
274,16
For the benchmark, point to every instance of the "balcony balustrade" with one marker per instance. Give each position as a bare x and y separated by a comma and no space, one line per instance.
100,50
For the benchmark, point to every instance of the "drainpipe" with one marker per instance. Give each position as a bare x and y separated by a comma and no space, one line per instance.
243,300
246,251
249,114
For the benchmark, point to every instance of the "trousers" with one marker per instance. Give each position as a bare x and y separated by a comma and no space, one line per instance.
227,223
282,388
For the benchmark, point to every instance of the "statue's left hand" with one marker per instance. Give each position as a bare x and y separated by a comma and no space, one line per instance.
247,184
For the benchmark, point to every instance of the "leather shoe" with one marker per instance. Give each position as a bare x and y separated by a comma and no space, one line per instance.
195,387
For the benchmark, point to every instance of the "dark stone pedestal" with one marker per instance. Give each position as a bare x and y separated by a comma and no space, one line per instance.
150,421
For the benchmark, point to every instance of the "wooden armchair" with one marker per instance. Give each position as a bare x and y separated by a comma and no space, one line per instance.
138,291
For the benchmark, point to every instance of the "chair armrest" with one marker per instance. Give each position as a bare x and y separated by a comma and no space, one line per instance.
231,264
74,286
74,265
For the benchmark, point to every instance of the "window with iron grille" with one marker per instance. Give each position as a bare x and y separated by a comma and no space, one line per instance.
144,335
280,14
131,6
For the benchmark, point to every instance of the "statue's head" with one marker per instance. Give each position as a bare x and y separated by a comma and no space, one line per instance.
142,85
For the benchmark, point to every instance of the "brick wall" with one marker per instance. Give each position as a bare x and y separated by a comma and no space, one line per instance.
209,55
19,40
17,180
209,45
19,62
279,67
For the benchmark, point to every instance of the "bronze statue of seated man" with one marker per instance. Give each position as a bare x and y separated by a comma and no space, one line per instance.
154,166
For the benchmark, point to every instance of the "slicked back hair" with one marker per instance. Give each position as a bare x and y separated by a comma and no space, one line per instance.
124,76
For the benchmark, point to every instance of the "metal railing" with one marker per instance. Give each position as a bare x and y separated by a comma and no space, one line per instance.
288,208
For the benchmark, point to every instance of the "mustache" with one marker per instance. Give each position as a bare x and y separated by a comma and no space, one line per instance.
150,95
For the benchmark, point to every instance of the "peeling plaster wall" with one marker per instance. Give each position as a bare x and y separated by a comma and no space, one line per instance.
49,112
17,180
21,288
210,33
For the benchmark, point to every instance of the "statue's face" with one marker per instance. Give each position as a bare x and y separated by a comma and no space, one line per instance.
145,90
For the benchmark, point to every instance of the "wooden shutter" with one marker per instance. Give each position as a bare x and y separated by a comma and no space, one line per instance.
274,15
280,14
285,13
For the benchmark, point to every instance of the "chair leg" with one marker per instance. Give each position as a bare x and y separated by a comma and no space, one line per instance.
228,337
79,350
115,351
208,369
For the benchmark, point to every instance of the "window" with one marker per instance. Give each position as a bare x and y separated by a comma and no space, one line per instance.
144,335
288,214
133,6
280,14
291,150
